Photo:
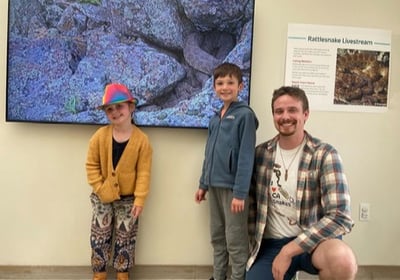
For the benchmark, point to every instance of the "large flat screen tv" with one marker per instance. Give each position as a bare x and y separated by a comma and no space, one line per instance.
61,54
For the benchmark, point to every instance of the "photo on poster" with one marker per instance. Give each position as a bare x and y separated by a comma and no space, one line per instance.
362,77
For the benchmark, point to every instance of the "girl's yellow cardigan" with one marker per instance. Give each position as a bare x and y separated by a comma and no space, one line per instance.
132,174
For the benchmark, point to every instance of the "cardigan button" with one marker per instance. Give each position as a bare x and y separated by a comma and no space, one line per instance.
116,185
113,173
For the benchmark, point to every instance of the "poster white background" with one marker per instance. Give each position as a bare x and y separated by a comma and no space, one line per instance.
311,64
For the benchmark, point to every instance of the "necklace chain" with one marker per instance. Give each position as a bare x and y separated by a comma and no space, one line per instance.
291,161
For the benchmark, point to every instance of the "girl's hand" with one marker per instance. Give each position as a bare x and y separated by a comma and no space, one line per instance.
136,211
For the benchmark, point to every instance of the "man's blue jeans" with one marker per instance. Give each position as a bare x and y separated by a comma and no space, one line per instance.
262,267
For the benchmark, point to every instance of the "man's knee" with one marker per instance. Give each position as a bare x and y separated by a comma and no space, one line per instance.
335,256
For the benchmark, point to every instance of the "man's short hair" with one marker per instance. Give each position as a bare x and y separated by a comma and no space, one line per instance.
294,92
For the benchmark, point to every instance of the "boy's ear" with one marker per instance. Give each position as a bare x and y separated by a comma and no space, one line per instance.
241,86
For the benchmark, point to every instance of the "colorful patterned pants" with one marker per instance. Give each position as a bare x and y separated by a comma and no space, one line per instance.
113,225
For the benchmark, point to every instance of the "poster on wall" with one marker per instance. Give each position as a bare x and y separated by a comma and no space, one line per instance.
340,68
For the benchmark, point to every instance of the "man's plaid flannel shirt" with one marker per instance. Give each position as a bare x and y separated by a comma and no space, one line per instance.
322,197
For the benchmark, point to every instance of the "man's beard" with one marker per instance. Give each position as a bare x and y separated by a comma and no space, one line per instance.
283,132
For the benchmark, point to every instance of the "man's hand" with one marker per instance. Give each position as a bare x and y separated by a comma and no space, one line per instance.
282,261
280,265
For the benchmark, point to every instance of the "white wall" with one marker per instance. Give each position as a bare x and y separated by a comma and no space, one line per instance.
45,211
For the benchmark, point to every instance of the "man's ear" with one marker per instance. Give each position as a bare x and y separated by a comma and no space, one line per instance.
306,115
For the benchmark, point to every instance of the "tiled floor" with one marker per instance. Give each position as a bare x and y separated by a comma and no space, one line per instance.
162,272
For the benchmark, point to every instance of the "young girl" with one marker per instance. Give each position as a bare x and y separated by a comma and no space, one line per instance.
118,168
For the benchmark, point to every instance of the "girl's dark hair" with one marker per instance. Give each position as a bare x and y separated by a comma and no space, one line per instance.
228,69
294,92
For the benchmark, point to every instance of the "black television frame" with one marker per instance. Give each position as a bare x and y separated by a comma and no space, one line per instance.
61,55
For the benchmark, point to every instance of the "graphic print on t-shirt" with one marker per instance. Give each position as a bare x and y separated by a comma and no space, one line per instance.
282,200
281,220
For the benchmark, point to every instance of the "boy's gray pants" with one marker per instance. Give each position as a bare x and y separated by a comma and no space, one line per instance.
229,235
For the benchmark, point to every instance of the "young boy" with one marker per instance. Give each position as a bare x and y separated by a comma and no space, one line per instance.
118,168
226,173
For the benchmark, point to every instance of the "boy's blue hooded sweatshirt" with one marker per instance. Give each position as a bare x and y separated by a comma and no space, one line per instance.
229,153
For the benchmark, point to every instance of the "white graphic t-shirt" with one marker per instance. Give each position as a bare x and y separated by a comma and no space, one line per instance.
281,218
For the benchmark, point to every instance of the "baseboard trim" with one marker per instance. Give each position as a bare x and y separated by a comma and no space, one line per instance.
159,272
85,272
